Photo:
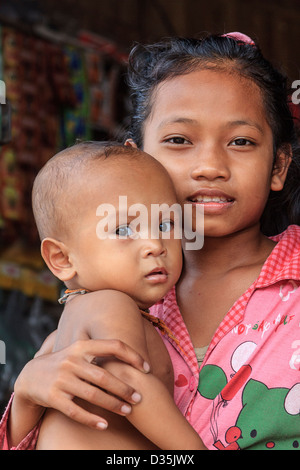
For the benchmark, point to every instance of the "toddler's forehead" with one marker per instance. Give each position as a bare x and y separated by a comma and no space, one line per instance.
133,177
129,168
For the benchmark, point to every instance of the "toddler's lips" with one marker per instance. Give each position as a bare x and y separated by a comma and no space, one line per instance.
157,275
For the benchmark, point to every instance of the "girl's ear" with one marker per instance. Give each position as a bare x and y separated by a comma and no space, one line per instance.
130,143
56,257
282,163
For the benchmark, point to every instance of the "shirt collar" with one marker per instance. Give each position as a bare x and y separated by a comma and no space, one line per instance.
284,260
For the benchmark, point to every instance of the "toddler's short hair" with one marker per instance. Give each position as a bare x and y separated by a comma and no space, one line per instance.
64,176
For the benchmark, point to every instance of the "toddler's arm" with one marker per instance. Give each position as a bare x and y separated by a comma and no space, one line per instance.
114,315
69,372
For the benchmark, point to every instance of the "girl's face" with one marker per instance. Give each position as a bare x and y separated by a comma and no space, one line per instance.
209,129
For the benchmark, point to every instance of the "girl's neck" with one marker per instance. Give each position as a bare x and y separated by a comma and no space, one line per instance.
223,254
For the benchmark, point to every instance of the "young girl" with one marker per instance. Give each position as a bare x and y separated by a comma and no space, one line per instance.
215,113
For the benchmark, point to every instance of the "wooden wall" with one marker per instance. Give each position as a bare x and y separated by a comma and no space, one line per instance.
275,24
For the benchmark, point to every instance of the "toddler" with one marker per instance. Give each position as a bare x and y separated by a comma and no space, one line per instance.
122,270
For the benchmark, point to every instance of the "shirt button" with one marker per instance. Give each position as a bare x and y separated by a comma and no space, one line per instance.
192,384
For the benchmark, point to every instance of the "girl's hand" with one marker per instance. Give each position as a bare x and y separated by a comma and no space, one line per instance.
53,379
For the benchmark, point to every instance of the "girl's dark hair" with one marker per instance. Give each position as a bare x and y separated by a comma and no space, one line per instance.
151,65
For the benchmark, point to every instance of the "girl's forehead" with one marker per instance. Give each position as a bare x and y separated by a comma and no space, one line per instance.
215,79
204,92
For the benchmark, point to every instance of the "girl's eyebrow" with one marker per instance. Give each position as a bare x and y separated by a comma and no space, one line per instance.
245,123
186,120
177,120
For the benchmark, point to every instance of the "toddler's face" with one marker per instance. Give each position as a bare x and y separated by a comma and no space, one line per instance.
117,244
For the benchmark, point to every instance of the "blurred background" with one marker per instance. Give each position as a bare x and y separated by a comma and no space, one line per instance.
63,65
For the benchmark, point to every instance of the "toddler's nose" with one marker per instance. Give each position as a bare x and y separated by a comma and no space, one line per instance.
153,247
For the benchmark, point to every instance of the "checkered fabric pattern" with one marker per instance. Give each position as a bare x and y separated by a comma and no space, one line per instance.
28,443
282,264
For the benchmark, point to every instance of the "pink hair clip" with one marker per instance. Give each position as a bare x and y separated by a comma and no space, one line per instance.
239,37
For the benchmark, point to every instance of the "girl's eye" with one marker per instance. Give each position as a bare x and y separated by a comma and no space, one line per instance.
124,231
241,142
166,226
177,140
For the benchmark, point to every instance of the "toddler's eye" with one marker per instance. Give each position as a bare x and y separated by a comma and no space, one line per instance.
124,231
166,226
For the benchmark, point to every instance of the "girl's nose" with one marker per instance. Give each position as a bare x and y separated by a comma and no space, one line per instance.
210,164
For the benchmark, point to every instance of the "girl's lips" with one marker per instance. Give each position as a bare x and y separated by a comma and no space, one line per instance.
214,201
209,195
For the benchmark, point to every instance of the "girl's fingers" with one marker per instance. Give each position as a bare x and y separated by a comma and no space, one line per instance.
115,348
77,375
80,363
61,396
75,412
104,389
72,373
99,387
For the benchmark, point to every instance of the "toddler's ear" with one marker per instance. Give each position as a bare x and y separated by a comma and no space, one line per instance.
283,161
56,257
130,143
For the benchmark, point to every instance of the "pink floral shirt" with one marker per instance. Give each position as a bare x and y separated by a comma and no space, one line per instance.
246,394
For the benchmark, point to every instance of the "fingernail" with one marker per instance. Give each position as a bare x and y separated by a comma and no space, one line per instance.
146,367
102,425
136,397
126,409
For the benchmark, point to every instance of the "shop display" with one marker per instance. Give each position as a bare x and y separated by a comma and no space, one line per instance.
75,123
56,93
